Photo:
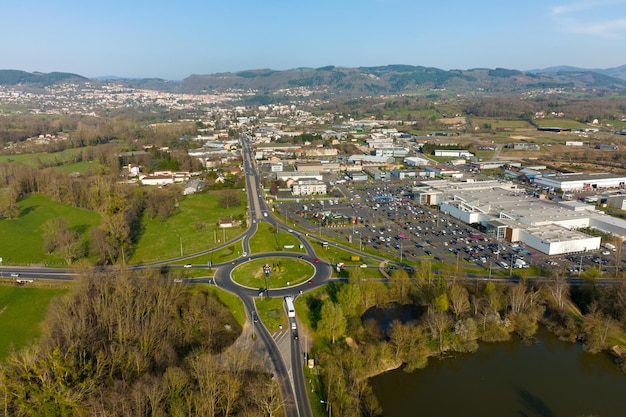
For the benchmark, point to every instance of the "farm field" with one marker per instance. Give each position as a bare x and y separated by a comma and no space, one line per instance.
36,160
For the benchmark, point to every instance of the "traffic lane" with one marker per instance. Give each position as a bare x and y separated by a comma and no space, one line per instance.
321,275
281,373
300,390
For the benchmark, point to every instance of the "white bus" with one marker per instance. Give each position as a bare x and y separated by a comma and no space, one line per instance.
291,311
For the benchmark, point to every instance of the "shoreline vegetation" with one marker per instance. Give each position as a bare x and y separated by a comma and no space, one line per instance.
363,328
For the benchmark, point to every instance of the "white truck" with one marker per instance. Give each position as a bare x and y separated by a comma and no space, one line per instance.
520,263
609,246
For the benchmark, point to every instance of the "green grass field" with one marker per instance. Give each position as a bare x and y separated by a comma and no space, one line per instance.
82,167
265,240
22,309
285,272
194,227
566,123
36,160
22,241
501,123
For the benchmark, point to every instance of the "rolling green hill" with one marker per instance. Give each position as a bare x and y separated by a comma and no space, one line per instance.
13,77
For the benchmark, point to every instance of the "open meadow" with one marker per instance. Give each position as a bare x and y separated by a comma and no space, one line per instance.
22,240
22,309
192,229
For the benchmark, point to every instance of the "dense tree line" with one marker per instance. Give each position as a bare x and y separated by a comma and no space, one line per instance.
130,126
447,316
136,346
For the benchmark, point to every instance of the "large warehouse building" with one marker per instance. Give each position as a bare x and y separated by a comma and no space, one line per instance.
507,213
576,182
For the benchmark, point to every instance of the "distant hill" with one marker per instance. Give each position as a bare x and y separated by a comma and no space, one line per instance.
327,82
394,79
14,77
617,72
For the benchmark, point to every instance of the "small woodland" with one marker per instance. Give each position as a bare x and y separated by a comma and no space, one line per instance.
136,346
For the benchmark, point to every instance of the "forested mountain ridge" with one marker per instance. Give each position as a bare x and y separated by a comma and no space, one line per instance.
14,77
394,79
334,81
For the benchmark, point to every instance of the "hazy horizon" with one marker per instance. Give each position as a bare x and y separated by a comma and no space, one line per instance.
171,41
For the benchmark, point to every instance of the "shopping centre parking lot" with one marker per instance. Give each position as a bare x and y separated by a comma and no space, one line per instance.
388,220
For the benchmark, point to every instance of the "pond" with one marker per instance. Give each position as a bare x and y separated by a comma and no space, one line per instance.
547,378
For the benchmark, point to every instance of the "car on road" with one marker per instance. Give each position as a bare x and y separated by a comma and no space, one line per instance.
310,282
188,266
234,262
178,280
295,335
262,292
255,317
300,257
15,274
244,254
290,230
315,260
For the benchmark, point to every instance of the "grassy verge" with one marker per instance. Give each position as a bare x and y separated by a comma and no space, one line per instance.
222,255
334,255
267,239
22,309
272,313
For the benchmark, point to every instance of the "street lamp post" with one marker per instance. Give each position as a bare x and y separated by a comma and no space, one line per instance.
328,407
580,268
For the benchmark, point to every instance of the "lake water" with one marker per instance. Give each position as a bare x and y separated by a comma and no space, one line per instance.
548,378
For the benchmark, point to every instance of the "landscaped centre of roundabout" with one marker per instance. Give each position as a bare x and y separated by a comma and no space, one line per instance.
272,272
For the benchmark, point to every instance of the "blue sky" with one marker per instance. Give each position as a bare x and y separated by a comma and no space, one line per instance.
174,39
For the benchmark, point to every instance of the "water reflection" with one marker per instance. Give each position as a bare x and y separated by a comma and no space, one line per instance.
548,378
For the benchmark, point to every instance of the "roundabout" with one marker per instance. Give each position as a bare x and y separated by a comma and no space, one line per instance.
272,272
